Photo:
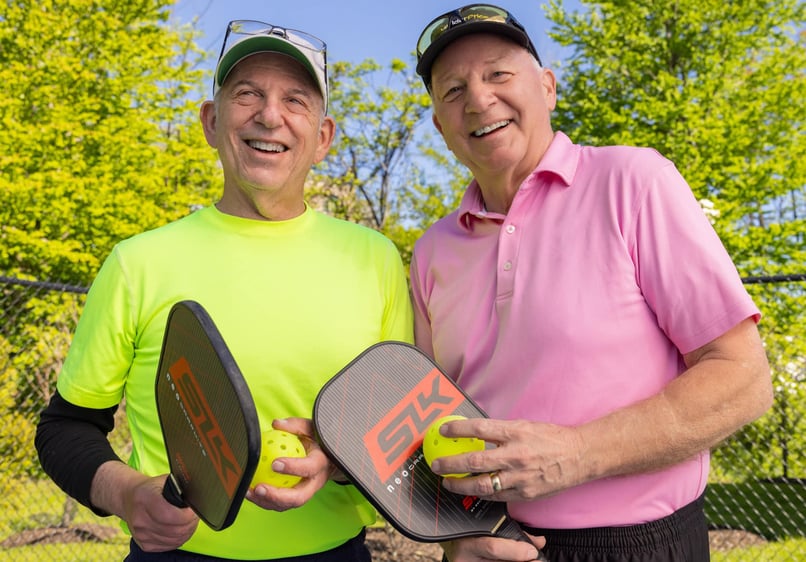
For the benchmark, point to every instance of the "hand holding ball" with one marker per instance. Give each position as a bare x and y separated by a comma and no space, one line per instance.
277,443
436,445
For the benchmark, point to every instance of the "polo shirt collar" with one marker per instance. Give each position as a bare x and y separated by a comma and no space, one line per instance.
560,160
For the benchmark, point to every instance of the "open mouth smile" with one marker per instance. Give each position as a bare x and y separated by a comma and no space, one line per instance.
490,128
266,146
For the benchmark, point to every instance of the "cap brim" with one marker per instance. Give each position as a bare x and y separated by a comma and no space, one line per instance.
434,49
266,44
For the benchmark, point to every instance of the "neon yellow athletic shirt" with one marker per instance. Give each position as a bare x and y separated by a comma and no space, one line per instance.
294,300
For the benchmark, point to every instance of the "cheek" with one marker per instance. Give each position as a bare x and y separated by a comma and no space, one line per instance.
451,131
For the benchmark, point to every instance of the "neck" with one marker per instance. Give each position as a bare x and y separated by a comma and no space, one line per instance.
499,190
499,187
260,207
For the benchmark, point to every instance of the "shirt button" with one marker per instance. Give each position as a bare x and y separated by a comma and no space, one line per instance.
510,228
508,266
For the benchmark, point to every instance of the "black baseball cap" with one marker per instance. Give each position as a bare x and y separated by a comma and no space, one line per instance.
474,18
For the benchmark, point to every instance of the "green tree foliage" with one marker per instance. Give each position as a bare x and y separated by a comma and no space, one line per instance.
433,192
33,345
371,164
101,140
17,427
717,87
387,168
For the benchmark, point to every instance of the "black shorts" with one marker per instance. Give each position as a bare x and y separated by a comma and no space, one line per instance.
354,550
679,537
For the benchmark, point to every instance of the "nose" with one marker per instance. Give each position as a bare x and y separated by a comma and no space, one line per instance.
268,113
480,95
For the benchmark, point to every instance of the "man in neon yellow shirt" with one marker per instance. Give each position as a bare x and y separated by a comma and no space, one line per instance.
296,295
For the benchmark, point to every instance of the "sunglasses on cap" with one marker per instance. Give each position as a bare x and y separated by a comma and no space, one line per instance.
462,21
238,28
245,37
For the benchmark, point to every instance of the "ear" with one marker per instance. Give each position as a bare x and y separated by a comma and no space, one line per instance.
327,132
549,84
436,122
207,116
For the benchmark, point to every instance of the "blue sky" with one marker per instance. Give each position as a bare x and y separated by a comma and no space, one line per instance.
355,30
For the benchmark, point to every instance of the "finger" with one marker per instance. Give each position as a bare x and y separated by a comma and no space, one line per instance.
483,428
538,541
480,485
311,466
281,499
299,426
489,548
161,535
477,462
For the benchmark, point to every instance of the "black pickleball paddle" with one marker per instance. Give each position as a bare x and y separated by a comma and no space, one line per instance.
208,418
371,418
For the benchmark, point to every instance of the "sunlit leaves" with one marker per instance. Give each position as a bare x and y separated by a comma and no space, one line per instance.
715,86
101,137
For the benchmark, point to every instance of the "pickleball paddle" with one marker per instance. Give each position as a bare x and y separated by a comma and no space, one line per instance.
208,419
371,418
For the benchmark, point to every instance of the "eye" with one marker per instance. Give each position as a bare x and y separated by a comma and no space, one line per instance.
246,95
452,93
299,100
499,75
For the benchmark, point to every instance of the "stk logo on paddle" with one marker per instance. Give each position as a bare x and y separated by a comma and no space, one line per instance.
206,425
400,432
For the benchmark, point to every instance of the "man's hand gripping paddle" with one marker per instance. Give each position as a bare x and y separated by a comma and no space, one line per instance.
371,418
209,423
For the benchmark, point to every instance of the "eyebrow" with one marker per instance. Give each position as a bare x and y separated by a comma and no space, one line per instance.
490,59
307,91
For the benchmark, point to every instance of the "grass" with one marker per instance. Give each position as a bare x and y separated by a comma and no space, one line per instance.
68,552
785,551
774,511
27,505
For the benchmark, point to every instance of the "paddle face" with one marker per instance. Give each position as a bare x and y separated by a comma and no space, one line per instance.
208,419
371,418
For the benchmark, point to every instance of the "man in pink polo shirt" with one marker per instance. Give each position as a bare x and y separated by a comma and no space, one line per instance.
581,296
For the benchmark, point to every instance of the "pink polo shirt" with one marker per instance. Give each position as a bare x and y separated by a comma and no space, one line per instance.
576,303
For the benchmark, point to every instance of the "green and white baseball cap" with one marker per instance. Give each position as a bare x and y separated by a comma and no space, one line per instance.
247,37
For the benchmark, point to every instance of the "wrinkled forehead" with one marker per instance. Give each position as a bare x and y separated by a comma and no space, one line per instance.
476,49
265,65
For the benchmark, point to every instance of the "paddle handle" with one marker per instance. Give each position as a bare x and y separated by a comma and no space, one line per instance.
170,491
511,530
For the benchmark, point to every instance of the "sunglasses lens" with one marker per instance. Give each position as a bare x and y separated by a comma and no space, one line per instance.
484,13
474,13
235,47
431,33
239,28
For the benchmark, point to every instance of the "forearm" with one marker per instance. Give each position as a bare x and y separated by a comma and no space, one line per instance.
726,386
109,485
72,444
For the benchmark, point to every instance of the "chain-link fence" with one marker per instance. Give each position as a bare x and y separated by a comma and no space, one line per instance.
756,503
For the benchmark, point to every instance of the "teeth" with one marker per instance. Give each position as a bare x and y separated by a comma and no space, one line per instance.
267,146
490,128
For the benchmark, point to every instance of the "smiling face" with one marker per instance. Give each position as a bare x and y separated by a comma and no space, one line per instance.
269,128
492,104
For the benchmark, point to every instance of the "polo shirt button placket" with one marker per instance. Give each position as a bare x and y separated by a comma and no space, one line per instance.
508,251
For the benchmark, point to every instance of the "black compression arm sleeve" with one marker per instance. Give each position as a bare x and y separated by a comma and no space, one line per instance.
72,443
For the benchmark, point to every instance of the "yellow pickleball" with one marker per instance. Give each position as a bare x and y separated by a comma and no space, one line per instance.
277,443
436,445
